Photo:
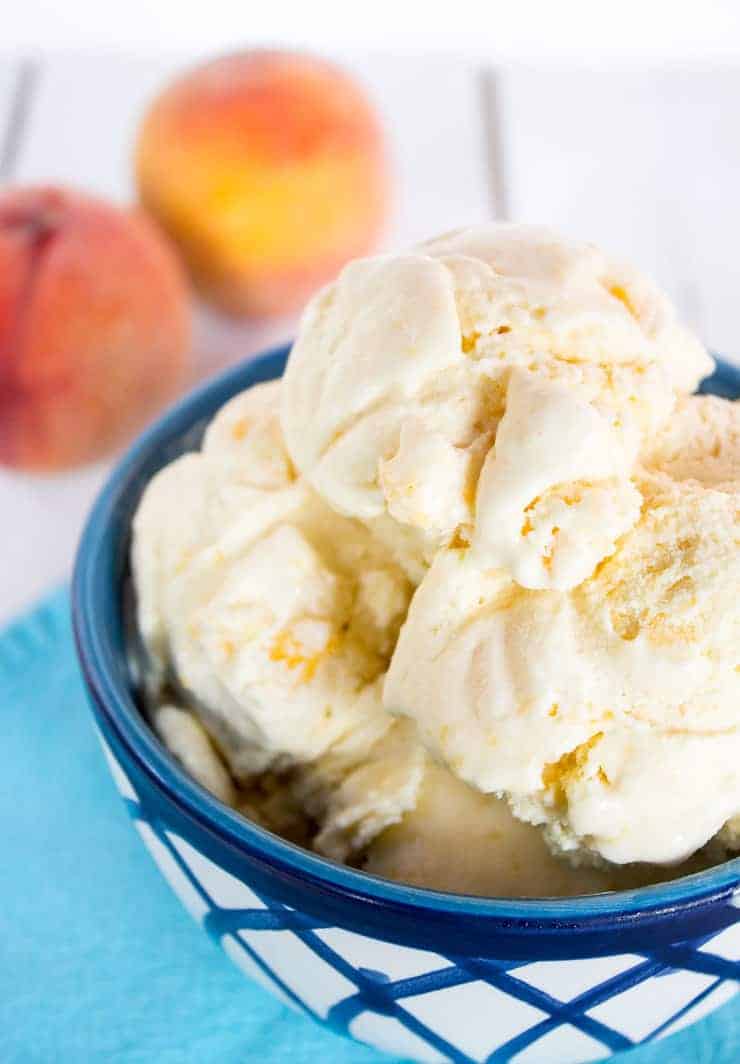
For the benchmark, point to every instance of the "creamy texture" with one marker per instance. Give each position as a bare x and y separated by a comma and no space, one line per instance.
701,441
405,367
270,615
544,535
609,714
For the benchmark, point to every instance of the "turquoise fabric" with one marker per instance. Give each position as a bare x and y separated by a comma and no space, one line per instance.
98,961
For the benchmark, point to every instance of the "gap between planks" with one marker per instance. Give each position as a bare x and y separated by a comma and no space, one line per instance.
22,96
494,143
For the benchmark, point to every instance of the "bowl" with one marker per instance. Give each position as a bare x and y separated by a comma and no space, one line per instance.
426,975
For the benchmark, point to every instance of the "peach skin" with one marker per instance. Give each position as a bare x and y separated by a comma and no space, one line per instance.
268,170
94,326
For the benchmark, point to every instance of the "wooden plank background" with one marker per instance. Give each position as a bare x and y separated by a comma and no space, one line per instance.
645,163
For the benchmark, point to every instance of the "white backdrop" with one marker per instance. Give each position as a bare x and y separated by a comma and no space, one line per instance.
580,31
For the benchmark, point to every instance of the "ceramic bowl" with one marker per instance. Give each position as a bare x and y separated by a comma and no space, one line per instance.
425,975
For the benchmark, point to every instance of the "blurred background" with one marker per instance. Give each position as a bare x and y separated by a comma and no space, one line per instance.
260,175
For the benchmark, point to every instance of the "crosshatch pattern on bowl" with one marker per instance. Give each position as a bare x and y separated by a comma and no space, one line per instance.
396,998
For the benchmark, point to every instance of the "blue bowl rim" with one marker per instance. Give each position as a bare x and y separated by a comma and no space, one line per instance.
94,593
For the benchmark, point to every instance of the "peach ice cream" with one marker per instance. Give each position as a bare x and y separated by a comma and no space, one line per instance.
465,579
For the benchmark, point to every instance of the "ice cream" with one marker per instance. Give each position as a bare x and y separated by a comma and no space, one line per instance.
410,368
466,580
592,709
701,441
271,615
273,619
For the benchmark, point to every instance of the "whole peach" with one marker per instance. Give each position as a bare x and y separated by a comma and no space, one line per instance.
94,326
268,170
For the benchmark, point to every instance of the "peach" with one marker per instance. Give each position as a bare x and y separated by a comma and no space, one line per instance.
94,326
268,170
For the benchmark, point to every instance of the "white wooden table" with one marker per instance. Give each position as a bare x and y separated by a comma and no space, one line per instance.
645,163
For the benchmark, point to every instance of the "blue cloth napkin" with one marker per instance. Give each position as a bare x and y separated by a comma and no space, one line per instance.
98,961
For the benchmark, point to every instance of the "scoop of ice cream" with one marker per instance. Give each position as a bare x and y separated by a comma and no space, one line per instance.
493,387
268,614
608,713
495,855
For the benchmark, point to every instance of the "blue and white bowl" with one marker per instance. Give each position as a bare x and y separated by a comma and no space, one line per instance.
425,975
